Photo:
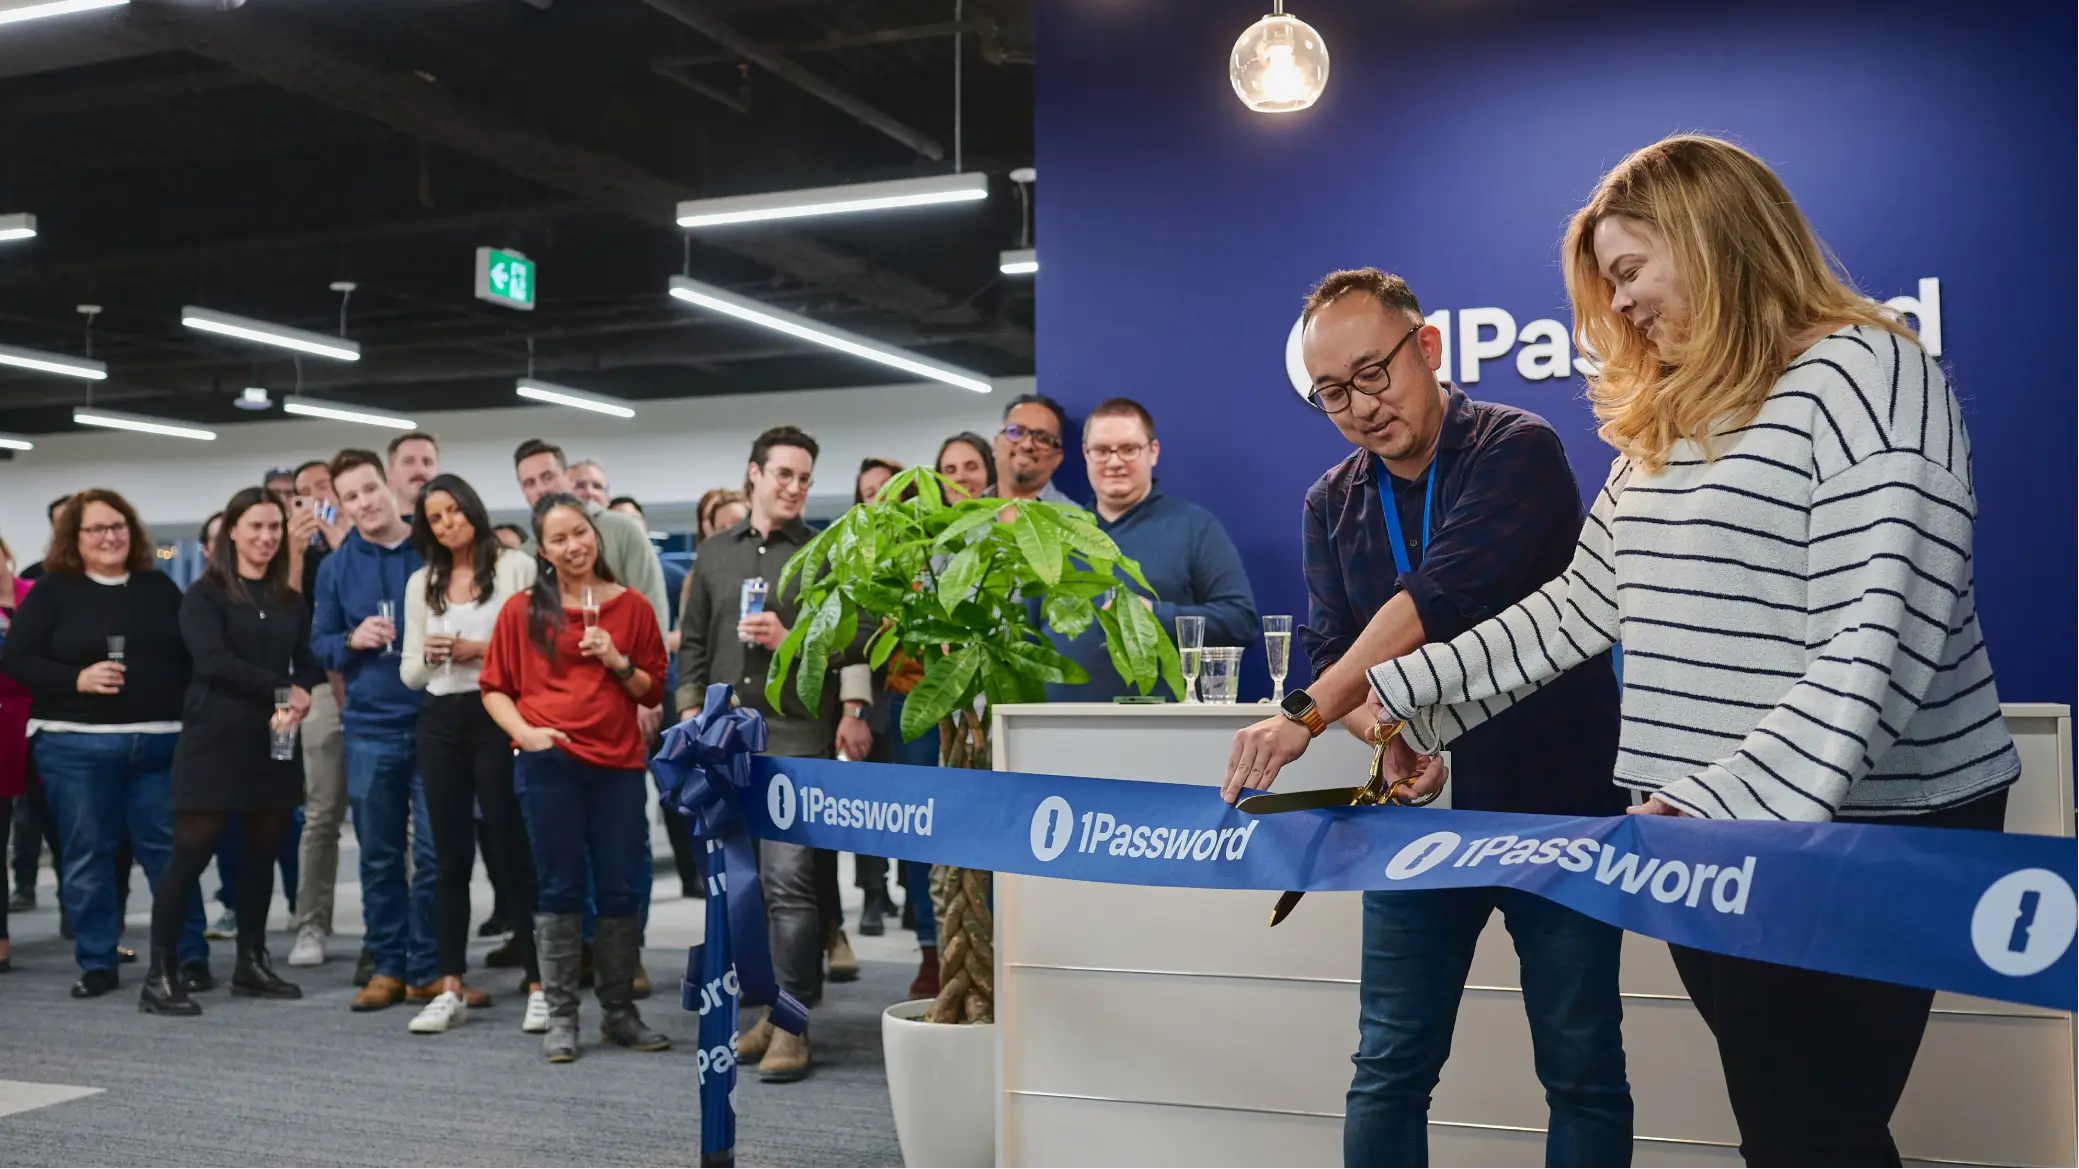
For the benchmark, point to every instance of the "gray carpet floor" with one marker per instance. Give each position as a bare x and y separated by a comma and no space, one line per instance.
311,1083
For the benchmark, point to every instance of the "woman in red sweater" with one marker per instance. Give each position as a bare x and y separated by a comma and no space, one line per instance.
568,664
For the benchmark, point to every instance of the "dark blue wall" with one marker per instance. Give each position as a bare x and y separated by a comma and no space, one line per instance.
1180,231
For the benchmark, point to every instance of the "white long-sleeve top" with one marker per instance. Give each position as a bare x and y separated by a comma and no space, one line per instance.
1797,614
513,573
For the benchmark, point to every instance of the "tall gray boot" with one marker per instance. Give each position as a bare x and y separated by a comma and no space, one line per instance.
614,958
559,942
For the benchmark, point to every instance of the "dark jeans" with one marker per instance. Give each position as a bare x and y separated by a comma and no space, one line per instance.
389,808
467,762
196,834
1815,1063
1418,947
578,813
100,787
231,850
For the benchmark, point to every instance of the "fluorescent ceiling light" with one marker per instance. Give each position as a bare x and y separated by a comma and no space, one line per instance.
55,8
140,424
745,309
314,408
1018,262
556,395
58,363
246,328
20,225
960,188
12,442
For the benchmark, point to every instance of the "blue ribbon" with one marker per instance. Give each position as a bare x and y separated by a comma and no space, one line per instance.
704,771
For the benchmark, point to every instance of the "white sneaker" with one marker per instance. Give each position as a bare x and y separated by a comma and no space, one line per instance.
536,1021
309,949
447,1010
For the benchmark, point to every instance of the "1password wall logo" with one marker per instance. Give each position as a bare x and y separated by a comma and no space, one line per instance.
814,806
1667,881
1055,826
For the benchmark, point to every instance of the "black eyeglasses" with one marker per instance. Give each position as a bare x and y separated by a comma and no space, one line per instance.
1371,380
1040,438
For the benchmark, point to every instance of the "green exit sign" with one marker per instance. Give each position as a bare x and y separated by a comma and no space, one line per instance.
505,277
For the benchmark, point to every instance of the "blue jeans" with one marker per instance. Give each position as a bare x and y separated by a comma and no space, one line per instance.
389,805
916,878
584,820
98,786
231,846
1418,947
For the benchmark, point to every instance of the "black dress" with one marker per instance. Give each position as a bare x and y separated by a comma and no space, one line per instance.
242,653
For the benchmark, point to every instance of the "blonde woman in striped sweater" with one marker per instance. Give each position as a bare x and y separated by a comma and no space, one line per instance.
1783,546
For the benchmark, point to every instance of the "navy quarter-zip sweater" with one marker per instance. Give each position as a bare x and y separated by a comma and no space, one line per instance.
350,582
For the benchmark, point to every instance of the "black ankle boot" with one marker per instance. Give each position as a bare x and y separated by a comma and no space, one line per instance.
163,994
254,977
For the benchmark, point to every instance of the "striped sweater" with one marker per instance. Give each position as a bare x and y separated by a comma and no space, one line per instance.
1797,614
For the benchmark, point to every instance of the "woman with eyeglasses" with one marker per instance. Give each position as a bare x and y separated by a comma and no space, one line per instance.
98,643
465,760
568,664
248,631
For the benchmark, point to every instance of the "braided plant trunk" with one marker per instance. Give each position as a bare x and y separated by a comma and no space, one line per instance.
960,897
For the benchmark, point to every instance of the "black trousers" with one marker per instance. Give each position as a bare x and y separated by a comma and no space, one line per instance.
466,763
1815,1063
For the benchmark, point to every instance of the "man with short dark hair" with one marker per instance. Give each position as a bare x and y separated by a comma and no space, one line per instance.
316,529
588,482
414,461
624,544
279,482
349,634
1028,449
720,643
1448,512
1189,559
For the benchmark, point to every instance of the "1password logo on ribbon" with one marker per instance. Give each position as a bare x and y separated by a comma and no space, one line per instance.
2024,922
781,802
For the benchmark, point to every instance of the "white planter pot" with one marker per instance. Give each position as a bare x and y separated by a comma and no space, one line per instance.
942,1087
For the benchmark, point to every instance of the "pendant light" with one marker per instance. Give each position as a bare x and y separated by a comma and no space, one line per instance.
1279,65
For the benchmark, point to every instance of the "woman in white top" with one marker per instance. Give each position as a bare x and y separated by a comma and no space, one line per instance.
1783,546
465,761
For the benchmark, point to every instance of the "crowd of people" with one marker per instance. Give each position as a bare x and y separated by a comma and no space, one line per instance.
364,642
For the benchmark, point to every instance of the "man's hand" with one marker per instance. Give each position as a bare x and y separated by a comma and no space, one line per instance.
540,738
101,678
854,738
372,633
686,716
1260,751
762,629
647,720
1655,806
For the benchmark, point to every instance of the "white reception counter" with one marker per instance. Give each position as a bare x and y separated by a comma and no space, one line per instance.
1146,1026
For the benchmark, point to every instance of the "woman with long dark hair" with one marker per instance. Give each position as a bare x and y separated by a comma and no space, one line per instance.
248,631
969,460
98,644
465,761
566,669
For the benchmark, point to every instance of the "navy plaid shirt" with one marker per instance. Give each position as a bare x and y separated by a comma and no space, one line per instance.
1505,520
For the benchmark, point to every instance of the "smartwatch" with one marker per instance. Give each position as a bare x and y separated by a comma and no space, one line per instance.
858,712
625,672
1299,707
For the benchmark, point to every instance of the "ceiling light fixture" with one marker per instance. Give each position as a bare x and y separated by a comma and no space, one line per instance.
744,309
338,412
1018,262
141,424
253,398
840,200
57,363
1279,65
555,395
266,333
20,225
55,8
15,442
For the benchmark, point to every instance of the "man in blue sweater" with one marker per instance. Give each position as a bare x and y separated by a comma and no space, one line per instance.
349,634
1183,551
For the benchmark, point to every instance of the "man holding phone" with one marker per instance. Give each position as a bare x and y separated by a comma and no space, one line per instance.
315,530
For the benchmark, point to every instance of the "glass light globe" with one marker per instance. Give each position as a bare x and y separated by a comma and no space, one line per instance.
1279,65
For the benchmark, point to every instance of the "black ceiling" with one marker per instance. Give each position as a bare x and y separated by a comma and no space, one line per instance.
245,160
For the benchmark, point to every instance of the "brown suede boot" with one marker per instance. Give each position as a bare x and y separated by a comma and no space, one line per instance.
787,1060
751,1044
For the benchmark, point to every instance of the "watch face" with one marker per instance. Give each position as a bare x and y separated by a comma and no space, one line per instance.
1297,703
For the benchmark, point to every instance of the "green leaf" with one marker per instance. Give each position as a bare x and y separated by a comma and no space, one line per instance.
1043,662
1088,539
1003,684
1039,539
1138,628
776,674
1114,643
975,518
1172,665
800,563
815,670
948,684
1068,614
1133,569
959,577
882,645
847,629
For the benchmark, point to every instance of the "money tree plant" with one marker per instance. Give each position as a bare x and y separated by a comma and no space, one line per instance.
955,584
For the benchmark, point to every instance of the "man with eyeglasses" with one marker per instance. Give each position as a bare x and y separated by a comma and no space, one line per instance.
1448,512
1028,449
1187,556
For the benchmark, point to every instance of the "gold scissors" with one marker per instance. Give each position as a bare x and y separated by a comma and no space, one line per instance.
1376,791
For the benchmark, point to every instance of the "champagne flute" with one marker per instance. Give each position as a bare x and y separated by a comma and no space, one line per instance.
437,626
1191,641
387,610
1277,646
283,745
115,648
588,604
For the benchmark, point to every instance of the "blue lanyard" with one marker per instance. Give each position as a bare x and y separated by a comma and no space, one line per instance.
1399,542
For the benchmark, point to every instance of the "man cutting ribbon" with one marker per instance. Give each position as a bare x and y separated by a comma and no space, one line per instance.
1448,512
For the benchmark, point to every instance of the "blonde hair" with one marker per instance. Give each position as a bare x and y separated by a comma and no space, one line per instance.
1756,278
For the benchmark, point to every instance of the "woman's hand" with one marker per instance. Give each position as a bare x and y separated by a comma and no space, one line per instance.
100,678
539,738
440,647
598,644
461,649
1655,806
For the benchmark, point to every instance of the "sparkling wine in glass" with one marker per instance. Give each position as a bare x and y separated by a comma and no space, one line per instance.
588,604
437,626
283,745
1277,646
387,610
1191,641
115,648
